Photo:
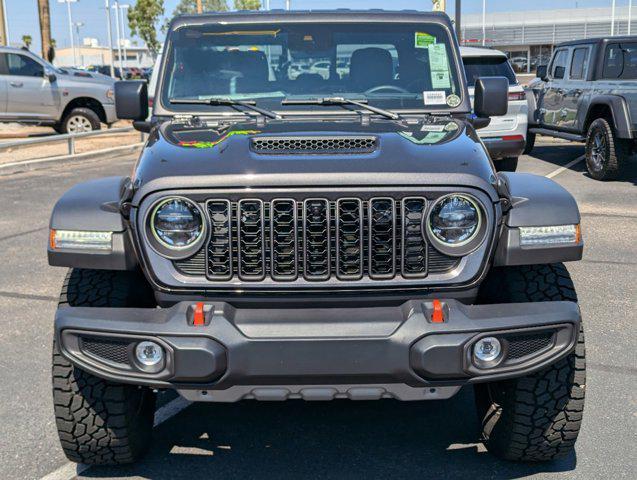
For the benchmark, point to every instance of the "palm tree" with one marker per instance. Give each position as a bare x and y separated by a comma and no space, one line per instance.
45,29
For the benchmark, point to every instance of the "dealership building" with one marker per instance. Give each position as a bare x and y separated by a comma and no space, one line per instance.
528,38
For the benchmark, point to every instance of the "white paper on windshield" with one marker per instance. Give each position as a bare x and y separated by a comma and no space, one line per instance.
434,97
439,65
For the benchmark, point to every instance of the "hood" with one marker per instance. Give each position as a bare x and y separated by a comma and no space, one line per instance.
83,76
314,153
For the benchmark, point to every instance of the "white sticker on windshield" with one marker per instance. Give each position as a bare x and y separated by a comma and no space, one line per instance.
439,66
434,98
440,79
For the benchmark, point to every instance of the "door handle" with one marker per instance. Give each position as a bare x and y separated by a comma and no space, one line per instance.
16,84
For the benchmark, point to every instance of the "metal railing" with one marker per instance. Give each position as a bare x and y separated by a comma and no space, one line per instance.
70,138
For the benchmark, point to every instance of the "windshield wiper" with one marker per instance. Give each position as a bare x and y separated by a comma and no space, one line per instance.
229,102
341,101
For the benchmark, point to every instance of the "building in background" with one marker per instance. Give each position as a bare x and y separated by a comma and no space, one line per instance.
528,38
91,53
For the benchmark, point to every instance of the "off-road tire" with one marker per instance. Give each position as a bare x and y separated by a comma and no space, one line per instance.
101,422
615,151
509,164
538,417
91,117
530,143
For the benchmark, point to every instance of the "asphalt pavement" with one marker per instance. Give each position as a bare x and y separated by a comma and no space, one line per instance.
339,439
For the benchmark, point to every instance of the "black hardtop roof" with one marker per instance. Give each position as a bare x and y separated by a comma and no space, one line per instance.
310,16
597,40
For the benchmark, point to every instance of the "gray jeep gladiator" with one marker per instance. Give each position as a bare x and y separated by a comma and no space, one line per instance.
290,232
588,93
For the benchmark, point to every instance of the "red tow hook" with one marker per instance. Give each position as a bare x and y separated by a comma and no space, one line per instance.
437,316
199,319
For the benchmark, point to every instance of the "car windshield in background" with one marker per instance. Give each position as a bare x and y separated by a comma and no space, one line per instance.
390,65
475,67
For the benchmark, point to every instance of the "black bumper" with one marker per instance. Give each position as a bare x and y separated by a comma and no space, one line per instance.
264,350
500,148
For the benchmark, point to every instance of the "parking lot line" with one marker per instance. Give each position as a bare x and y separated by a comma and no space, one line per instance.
556,172
70,470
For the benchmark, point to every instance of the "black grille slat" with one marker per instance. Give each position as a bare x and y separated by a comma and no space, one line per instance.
316,239
219,249
110,350
250,239
284,239
349,239
527,344
382,238
414,247
324,145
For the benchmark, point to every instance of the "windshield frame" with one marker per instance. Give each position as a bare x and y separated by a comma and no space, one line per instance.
163,108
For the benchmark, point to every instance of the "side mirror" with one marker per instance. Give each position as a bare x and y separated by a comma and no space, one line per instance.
51,76
491,97
541,72
131,100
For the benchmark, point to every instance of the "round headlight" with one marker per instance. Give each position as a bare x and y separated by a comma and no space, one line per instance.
177,223
454,220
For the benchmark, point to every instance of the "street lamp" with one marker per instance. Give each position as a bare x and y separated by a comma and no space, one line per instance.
68,11
121,33
109,31
79,43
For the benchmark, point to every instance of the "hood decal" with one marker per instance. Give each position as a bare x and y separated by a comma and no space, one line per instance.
221,139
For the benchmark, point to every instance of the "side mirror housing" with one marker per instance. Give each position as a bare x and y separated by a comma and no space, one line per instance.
131,100
491,97
51,76
541,72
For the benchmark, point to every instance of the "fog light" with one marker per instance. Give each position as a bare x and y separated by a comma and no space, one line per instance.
149,353
487,350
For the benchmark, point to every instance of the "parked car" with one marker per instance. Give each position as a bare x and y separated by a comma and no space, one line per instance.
505,136
588,93
290,241
105,70
35,92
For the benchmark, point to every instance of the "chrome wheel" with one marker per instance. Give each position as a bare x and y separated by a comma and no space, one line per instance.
78,124
599,151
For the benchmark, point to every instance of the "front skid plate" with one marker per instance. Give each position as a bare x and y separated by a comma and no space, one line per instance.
320,392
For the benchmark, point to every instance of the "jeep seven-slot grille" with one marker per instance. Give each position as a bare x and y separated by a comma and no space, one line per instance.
314,145
316,239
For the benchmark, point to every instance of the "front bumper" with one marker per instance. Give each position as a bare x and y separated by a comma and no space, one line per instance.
317,353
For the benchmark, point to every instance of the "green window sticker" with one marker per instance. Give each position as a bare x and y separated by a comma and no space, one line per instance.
423,40
439,65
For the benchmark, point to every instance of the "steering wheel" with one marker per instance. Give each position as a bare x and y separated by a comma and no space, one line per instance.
386,87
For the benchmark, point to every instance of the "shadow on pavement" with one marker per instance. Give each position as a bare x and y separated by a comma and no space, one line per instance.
339,439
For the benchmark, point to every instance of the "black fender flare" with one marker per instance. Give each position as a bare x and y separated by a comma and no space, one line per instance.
619,110
93,206
535,201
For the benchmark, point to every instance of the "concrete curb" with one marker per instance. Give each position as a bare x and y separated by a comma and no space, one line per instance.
78,156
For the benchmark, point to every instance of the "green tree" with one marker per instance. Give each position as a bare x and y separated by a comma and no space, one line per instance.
190,6
143,19
247,4
27,40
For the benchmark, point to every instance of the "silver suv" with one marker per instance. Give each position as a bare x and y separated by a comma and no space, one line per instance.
34,91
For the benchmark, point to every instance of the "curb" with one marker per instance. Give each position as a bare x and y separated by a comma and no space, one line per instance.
78,156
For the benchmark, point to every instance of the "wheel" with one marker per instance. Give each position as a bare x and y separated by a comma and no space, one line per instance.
538,417
530,143
604,152
509,164
80,120
100,422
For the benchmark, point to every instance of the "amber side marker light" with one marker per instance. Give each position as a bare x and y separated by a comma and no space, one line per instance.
80,240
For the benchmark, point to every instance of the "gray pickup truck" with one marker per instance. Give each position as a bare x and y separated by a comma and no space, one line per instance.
34,91
588,93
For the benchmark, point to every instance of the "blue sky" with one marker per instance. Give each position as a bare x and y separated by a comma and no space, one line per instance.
23,20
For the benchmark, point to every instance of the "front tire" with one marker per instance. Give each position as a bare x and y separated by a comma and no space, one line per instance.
79,120
534,418
604,152
101,422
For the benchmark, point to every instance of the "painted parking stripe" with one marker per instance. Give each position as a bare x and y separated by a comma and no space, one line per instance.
71,470
556,172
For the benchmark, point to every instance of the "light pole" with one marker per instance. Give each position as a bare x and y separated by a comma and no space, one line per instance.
287,4
119,43
630,11
5,25
122,9
77,35
484,22
68,11
612,19
109,31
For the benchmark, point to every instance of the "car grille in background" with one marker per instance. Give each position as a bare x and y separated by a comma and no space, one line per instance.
111,350
316,239
314,145
528,344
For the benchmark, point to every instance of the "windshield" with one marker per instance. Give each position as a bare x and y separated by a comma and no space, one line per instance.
390,65
476,67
